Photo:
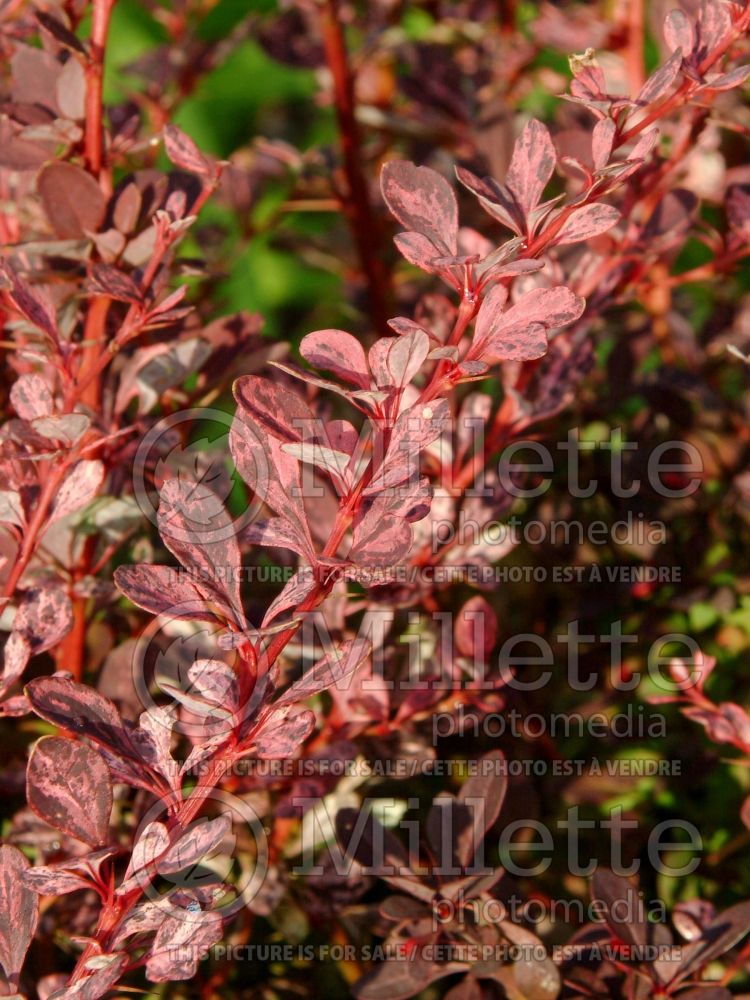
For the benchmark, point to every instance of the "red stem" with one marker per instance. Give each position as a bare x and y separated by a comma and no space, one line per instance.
362,220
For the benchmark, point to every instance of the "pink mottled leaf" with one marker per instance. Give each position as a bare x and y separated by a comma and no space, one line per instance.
19,912
519,334
161,589
419,251
215,682
184,153
180,942
283,730
50,881
660,82
152,843
68,786
497,201
276,532
79,709
714,26
197,529
335,669
728,81
587,222
80,487
335,463
296,589
31,397
274,409
531,166
380,542
406,355
72,199
107,972
679,32
15,657
423,201
414,431
644,145
738,210
44,616
199,840
271,473
602,140
337,352
490,312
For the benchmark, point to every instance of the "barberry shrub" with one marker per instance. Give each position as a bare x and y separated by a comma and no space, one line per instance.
264,589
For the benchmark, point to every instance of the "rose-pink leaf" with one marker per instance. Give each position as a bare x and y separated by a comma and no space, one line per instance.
337,352
422,200
531,166
587,222
31,397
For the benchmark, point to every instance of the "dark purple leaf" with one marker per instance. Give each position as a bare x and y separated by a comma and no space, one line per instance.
72,199
114,283
79,709
399,979
31,303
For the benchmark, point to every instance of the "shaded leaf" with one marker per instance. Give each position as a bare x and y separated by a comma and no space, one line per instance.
72,199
